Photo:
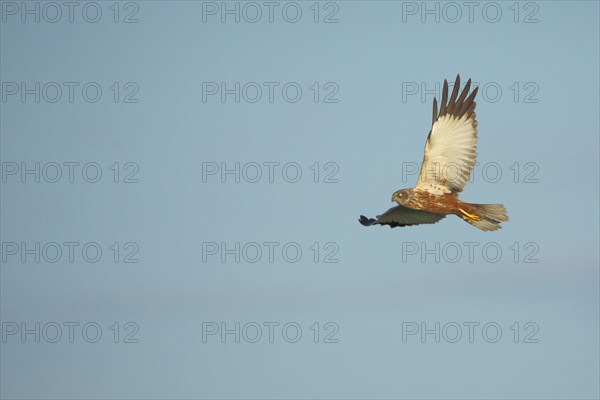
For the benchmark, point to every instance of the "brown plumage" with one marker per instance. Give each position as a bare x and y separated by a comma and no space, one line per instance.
450,155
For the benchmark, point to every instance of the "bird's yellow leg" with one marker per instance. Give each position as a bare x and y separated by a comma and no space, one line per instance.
472,217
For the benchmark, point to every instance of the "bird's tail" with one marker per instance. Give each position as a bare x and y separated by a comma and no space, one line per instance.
486,217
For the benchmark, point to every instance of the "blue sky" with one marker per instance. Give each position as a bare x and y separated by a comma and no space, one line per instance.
330,119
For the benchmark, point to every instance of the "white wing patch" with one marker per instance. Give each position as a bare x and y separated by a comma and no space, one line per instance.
450,155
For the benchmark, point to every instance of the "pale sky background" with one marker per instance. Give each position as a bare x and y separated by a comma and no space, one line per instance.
542,124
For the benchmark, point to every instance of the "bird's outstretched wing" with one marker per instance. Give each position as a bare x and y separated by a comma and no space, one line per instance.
402,216
451,147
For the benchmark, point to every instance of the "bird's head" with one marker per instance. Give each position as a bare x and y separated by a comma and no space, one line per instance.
400,196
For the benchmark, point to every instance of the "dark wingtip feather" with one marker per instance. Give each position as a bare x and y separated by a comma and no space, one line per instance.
460,103
366,221
452,102
457,106
444,99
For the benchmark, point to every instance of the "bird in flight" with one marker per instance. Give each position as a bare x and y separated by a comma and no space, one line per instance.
450,154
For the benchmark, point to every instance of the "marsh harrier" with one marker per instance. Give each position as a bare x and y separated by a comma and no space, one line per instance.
450,154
